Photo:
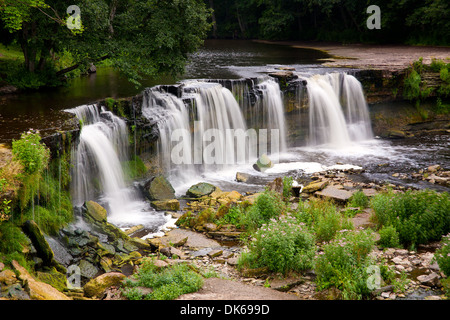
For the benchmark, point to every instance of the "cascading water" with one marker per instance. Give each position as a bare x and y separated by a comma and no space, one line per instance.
205,130
332,122
98,172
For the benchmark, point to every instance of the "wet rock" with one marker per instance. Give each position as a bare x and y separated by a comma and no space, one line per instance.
242,177
134,229
159,188
200,189
396,134
215,253
276,185
7,277
315,186
87,269
41,245
96,287
16,292
96,211
163,205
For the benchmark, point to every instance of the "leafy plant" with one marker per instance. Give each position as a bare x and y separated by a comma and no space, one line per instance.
287,187
30,152
343,264
388,237
417,216
268,205
359,199
442,255
282,245
167,283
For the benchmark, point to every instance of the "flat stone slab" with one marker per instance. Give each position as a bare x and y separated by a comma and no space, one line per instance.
194,240
335,194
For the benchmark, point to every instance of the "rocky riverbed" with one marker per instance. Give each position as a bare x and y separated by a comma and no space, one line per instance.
105,255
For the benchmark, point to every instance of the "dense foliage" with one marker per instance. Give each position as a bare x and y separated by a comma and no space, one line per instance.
418,22
417,216
140,38
166,283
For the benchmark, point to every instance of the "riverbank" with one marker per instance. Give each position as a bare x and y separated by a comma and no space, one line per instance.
388,58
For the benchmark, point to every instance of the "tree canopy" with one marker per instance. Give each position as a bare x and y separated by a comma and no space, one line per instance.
140,38
402,21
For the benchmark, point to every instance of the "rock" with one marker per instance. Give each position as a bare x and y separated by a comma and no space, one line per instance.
7,277
335,194
41,245
163,205
370,192
430,280
215,253
92,68
315,186
276,185
252,198
396,134
96,287
96,211
160,263
434,168
210,226
263,163
200,189
37,290
242,177
134,229
87,269
159,188
16,292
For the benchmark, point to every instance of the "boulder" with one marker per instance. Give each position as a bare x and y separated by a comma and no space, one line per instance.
37,290
276,185
95,287
333,193
315,186
430,280
434,168
87,269
96,211
159,188
396,134
200,189
163,205
263,163
242,177
41,245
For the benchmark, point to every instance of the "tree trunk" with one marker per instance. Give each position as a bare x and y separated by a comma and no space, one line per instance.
241,25
213,17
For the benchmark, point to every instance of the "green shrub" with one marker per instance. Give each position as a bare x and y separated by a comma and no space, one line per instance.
282,245
359,199
167,283
29,151
234,216
417,216
269,204
322,217
442,255
343,264
388,237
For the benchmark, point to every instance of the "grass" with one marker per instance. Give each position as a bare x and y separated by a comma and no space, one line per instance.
165,283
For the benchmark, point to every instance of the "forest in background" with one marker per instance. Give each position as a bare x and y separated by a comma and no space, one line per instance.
418,22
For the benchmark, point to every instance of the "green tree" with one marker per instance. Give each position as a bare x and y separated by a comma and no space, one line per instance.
141,38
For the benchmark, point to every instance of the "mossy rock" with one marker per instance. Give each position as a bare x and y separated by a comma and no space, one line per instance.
53,278
163,205
41,245
96,287
159,188
200,189
96,211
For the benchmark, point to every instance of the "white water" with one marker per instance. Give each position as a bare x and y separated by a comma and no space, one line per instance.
205,131
338,112
98,174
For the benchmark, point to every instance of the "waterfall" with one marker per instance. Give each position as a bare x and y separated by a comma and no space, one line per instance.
98,173
338,112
